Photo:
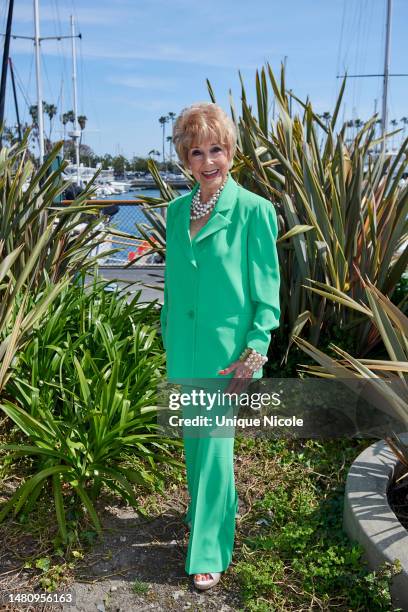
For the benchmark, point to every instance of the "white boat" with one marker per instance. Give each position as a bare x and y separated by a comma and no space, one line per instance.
120,186
104,191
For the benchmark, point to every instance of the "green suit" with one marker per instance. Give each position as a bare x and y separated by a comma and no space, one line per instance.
221,296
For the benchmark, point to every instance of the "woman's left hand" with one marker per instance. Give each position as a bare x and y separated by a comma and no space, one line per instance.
241,378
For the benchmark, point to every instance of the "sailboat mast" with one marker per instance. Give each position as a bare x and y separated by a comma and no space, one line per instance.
38,76
76,132
13,83
384,117
4,63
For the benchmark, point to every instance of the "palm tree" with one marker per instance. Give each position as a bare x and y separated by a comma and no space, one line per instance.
404,121
349,124
34,114
8,134
82,119
394,124
64,118
357,124
163,120
326,116
377,122
154,153
171,116
169,139
33,110
51,111
67,117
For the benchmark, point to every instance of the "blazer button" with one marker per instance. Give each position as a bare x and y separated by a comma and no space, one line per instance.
191,314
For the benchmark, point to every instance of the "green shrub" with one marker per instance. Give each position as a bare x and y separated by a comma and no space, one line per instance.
83,392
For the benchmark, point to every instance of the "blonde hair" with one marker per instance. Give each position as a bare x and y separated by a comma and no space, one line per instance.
200,122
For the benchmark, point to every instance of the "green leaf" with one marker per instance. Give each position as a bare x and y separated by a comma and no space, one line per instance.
59,506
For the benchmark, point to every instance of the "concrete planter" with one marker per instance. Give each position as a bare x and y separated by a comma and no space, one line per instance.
368,518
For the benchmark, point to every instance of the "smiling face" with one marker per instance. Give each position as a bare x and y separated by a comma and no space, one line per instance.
209,163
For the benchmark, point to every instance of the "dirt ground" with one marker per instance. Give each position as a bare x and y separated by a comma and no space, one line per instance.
150,552
138,565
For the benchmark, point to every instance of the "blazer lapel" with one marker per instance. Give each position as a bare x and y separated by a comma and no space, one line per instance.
222,211
219,218
183,226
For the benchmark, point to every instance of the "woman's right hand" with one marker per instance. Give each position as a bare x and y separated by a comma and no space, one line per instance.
241,379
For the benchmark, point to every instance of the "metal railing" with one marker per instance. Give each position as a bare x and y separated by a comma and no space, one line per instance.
129,213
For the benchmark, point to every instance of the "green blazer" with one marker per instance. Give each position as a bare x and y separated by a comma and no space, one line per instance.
222,287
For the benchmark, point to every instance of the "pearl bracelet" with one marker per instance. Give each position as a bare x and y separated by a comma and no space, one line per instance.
252,359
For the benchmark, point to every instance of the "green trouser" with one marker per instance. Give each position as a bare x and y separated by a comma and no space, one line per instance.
213,502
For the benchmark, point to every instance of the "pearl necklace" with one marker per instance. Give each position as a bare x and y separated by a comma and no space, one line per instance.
200,209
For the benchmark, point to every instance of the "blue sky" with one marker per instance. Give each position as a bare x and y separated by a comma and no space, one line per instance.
138,60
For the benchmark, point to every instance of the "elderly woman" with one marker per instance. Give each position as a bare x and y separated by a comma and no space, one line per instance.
221,302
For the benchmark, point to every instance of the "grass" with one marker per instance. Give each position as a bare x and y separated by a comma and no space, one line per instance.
291,551
140,588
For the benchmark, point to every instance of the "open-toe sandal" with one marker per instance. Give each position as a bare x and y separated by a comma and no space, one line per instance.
203,585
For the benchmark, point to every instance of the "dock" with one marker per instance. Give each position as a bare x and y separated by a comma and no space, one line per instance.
146,183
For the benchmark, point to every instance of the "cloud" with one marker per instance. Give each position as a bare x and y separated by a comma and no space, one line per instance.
23,13
149,106
119,31
219,57
143,82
